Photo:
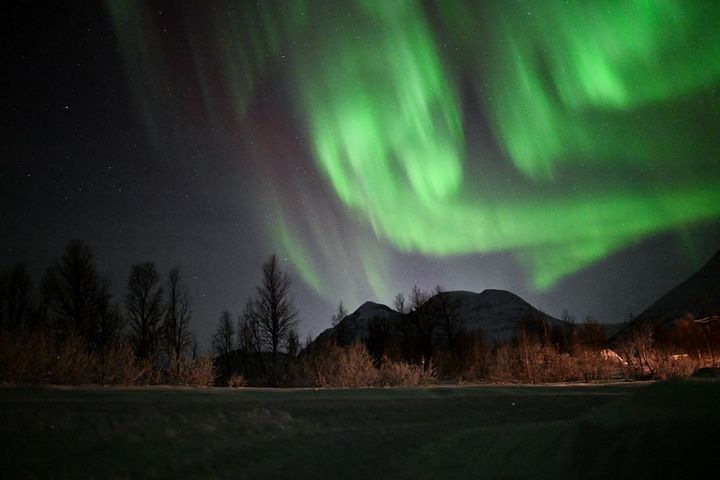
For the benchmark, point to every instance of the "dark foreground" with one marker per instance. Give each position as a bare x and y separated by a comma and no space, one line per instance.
665,430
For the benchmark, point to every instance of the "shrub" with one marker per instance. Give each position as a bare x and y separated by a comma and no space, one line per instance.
201,372
350,367
118,365
74,364
503,364
236,381
395,374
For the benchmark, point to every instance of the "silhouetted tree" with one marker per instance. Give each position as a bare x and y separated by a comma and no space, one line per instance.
293,344
339,314
399,304
106,331
277,316
248,332
424,323
15,298
446,311
223,345
176,325
144,306
571,334
403,327
223,342
73,290
341,332
194,347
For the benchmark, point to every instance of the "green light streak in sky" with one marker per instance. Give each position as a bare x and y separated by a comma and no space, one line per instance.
383,109
603,118
574,60
578,87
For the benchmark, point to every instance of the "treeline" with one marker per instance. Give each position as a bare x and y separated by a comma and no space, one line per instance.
261,347
427,342
650,349
70,329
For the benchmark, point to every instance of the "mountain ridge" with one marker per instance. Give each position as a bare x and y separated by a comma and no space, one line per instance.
497,313
698,295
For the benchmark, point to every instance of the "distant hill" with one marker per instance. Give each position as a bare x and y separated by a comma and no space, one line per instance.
699,296
496,312
355,325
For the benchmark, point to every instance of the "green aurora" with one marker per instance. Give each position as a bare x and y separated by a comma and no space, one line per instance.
560,131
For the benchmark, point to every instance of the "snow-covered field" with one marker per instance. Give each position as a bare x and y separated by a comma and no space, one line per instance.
666,430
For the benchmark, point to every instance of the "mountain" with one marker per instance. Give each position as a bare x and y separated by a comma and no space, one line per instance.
496,312
355,325
699,295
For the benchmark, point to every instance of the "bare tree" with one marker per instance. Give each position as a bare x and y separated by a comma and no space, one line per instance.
399,304
223,345
248,332
15,293
636,346
277,316
424,324
293,344
223,342
403,327
339,314
340,326
176,325
144,305
73,289
445,309
107,331
194,353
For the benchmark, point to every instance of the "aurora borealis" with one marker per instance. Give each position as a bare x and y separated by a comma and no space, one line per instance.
383,142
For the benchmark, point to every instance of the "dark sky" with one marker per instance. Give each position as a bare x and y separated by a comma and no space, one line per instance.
568,154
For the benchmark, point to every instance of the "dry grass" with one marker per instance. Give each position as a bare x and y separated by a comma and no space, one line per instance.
397,374
236,381
350,367
38,358
353,367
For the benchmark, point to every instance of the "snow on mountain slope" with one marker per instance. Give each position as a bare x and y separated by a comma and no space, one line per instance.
496,312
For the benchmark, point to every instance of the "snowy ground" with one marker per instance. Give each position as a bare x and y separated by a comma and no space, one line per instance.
667,430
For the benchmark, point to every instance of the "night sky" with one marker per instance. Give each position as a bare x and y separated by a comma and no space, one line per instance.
566,151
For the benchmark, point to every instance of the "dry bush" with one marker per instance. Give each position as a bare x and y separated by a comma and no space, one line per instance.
595,366
178,371
236,381
350,367
503,364
118,365
447,365
530,362
75,364
38,358
201,372
396,374
26,359
675,365
146,371
556,366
